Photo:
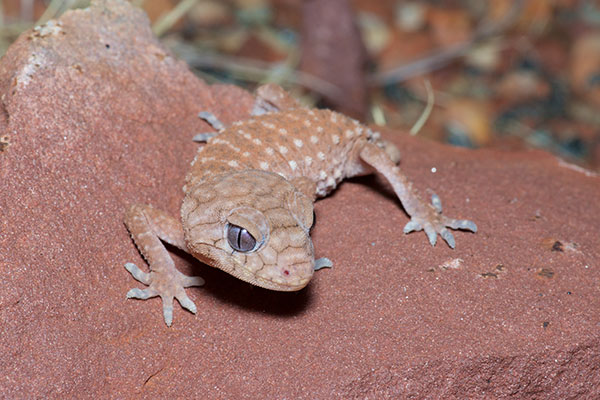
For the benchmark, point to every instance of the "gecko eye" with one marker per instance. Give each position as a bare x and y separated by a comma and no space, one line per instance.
246,229
240,239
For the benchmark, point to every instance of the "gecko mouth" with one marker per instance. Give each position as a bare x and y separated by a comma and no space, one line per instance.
287,282
275,283
283,279
283,286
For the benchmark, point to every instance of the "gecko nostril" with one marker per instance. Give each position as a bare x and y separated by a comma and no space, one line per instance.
240,239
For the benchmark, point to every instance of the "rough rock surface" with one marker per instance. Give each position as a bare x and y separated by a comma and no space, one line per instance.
99,116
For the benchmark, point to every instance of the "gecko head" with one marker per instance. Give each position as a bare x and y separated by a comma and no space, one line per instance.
253,225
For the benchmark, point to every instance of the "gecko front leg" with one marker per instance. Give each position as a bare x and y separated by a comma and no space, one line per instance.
424,216
148,226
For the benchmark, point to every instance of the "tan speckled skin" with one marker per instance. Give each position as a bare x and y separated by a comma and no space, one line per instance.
263,174
320,145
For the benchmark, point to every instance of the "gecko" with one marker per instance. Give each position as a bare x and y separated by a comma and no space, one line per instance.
249,194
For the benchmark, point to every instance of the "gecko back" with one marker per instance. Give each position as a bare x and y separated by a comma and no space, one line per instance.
320,146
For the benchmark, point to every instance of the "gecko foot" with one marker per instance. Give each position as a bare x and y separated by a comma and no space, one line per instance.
166,285
214,122
431,220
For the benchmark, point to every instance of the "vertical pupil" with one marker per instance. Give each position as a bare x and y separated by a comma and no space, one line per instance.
239,237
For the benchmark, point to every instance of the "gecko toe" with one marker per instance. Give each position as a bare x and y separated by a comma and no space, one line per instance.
464,224
168,310
186,303
448,237
411,226
431,234
137,273
468,225
212,120
188,281
436,202
142,294
203,137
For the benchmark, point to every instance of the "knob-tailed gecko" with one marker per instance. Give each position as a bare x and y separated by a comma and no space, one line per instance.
248,205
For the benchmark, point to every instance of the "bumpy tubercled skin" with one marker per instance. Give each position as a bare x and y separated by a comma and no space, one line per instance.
248,205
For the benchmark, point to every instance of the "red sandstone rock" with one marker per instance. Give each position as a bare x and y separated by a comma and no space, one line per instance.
99,116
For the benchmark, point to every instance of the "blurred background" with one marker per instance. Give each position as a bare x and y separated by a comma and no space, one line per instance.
507,74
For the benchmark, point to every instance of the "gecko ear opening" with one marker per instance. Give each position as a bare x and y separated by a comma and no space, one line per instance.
247,229
301,207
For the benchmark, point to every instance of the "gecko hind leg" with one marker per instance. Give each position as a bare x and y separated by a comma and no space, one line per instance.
148,226
424,216
214,122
